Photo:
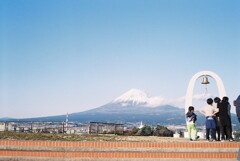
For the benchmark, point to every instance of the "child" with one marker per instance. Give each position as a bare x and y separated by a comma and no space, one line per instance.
191,118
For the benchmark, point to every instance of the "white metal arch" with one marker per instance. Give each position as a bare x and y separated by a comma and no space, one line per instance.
189,95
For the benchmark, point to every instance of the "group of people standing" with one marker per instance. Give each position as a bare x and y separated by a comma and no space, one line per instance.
218,119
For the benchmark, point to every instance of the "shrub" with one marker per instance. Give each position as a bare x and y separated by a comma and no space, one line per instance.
145,131
162,131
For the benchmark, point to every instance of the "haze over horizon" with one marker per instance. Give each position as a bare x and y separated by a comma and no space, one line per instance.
70,56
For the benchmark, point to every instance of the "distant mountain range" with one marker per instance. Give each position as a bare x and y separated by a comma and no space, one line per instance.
132,106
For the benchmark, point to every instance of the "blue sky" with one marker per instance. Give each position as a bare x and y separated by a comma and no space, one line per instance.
63,56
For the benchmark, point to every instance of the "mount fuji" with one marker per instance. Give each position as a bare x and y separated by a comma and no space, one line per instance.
132,106
136,97
132,97
134,102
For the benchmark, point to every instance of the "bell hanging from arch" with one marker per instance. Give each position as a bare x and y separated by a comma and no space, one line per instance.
205,80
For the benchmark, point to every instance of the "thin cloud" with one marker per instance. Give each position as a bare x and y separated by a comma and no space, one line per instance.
159,101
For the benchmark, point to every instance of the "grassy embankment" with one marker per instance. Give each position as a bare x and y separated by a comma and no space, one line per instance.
7,135
56,137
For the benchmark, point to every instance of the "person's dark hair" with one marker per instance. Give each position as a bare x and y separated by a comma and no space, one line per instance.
225,99
190,108
217,100
209,101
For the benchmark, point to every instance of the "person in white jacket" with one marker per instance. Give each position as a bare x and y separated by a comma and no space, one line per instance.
209,111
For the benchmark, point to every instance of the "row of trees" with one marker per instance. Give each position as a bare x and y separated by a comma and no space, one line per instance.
150,131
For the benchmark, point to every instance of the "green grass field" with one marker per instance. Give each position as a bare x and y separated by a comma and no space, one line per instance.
56,137
7,135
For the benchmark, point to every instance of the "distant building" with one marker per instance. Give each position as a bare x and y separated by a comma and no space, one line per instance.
6,126
2,126
105,128
201,134
141,125
60,127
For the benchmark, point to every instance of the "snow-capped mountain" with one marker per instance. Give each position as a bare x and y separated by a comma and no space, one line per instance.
132,106
136,97
132,97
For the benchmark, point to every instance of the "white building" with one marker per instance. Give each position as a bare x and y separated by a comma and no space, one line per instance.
200,134
2,126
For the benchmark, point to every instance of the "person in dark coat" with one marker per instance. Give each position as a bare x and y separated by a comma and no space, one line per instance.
217,100
225,119
236,103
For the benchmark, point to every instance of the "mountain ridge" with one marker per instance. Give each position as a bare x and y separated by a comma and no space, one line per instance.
132,106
